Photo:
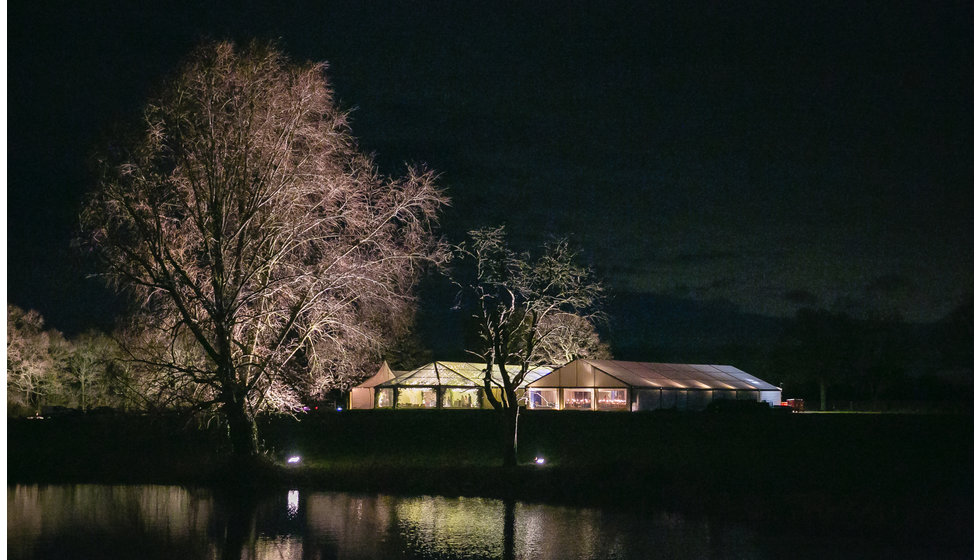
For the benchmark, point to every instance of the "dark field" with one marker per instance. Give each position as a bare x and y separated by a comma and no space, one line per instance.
891,477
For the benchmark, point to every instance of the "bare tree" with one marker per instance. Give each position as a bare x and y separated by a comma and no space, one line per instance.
569,337
517,301
90,360
35,360
243,218
145,375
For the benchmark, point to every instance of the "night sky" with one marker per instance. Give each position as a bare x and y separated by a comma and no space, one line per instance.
749,159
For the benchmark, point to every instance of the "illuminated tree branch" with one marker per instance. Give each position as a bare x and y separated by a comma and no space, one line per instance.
245,222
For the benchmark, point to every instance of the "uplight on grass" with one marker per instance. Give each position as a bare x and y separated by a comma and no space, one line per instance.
293,460
539,460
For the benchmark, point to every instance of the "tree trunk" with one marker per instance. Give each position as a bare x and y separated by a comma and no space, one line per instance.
510,528
823,395
34,401
242,430
488,391
510,435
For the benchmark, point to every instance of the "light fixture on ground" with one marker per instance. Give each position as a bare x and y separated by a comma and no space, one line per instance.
539,460
293,460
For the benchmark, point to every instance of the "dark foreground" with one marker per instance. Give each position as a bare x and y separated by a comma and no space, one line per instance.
893,478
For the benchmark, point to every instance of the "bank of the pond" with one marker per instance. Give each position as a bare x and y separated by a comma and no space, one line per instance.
881,476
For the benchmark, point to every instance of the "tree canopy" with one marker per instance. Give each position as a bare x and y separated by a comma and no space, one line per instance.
264,251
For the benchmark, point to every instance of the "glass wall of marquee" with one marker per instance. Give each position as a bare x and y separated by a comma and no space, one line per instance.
455,385
686,399
543,398
460,397
609,385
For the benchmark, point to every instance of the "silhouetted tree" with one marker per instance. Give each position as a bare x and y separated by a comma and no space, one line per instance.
408,351
260,244
517,302
953,339
819,347
883,353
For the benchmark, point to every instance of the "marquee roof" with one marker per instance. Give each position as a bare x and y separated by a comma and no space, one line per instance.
385,373
656,375
457,374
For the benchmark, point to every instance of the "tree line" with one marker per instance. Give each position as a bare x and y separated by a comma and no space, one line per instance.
45,369
835,357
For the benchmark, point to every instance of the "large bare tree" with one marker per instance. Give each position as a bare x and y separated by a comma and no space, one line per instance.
520,306
243,218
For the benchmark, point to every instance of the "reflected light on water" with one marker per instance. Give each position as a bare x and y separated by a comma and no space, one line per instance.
292,504
445,526
279,548
173,522
110,522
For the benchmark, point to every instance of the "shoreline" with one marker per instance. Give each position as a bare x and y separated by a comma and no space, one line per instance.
769,487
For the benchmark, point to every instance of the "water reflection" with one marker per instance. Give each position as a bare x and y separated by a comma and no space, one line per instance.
292,504
173,522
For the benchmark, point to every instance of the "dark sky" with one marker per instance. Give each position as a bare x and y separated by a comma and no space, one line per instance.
757,158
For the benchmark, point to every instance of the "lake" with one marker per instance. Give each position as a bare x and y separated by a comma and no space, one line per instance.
146,521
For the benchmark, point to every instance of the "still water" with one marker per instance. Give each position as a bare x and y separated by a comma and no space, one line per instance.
104,521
